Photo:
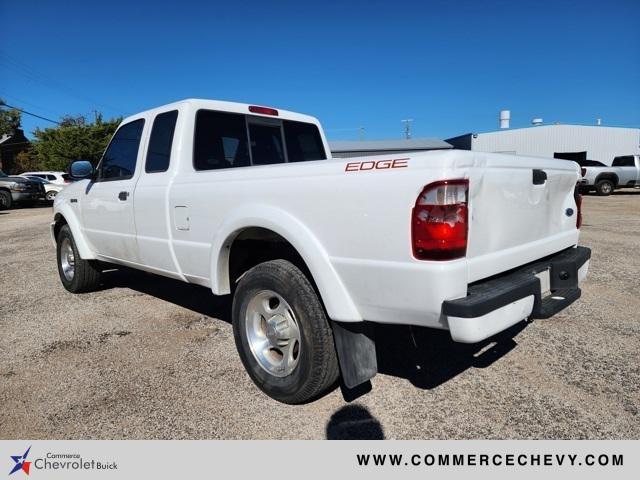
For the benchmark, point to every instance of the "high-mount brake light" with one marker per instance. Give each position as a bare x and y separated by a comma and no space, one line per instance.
263,110
439,221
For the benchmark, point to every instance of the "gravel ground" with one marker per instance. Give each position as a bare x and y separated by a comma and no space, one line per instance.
148,357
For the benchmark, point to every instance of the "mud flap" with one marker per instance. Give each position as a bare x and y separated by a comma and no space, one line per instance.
356,348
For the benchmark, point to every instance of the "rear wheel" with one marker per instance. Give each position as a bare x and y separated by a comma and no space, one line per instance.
5,200
604,187
282,333
51,195
77,275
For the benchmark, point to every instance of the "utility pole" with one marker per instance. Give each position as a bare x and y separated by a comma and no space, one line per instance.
407,127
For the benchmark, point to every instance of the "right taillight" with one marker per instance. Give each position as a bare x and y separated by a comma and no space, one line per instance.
578,198
439,221
583,171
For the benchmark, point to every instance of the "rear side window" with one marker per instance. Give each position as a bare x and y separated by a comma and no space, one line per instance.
303,142
159,151
119,161
220,141
51,177
626,161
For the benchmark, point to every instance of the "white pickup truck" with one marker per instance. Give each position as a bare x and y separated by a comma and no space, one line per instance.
246,200
624,172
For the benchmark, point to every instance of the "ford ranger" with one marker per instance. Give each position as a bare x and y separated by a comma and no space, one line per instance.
246,200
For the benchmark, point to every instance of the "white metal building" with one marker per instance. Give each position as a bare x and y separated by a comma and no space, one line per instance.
572,142
348,149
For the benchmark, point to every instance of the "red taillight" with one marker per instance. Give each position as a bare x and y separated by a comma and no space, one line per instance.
583,171
578,198
263,110
439,221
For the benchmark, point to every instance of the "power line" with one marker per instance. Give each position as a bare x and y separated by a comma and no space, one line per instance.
3,104
34,76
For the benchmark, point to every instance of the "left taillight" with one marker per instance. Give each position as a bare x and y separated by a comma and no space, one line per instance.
578,198
439,221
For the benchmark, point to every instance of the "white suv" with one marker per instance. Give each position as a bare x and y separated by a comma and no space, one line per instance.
57,178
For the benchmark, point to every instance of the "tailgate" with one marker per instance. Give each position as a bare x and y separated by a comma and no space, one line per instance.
522,209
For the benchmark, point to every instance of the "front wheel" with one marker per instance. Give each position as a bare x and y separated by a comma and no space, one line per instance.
282,333
77,275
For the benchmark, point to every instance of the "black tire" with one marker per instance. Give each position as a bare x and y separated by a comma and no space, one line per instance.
605,187
316,370
86,275
6,202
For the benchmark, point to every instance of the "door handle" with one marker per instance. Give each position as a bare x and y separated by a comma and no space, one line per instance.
123,196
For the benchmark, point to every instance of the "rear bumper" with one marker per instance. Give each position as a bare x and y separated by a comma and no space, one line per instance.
497,303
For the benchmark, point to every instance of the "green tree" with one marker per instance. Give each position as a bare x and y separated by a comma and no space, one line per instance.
74,139
26,162
9,119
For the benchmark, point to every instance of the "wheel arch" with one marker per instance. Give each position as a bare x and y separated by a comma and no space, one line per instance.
65,216
608,176
282,224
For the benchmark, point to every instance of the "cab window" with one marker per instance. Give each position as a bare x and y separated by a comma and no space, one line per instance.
626,161
119,161
160,141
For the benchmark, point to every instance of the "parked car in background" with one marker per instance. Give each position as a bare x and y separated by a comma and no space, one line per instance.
50,189
57,178
18,190
624,172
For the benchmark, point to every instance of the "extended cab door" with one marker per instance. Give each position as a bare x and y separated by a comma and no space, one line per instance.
107,206
151,196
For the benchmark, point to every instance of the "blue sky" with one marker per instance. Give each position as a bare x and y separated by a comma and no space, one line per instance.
449,65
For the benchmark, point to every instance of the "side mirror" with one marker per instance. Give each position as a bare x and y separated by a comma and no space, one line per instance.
81,169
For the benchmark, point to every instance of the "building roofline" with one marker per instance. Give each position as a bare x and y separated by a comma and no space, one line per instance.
388,145
548,125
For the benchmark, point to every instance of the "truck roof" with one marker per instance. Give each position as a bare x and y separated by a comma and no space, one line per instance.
235,107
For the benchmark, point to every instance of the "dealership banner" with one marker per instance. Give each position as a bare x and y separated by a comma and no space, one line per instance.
22,459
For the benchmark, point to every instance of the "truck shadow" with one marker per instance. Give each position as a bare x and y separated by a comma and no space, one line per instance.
424,356
192,297
428,357
354,422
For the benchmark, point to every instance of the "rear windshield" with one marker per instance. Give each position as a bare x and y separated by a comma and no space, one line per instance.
227,140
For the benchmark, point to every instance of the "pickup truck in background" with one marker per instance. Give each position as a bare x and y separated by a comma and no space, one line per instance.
246,200
18,190
624,172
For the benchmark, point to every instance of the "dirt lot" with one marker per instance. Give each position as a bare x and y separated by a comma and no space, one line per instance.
149,357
